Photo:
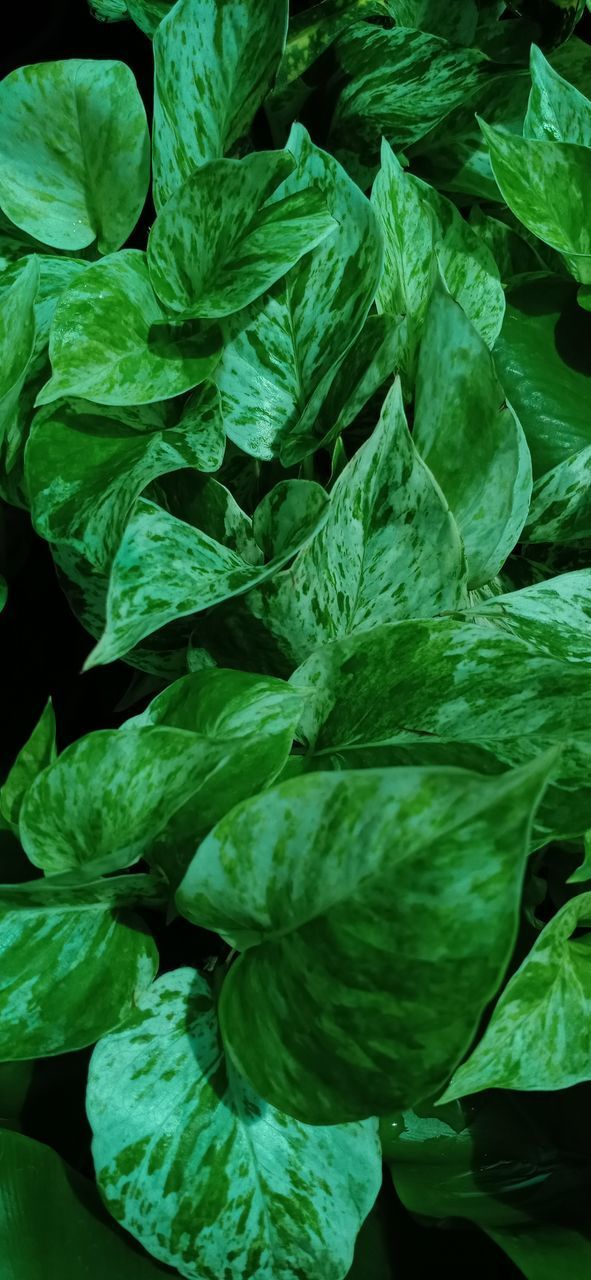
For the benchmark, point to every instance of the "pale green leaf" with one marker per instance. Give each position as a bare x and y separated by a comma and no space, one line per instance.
560,509
536,1036
112,342
556,110
470,438
96,961
281,355
74,152
359,989
208,1176
213,67
148,14
217,245
554,616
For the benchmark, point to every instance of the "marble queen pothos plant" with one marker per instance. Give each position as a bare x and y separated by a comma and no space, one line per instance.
316,459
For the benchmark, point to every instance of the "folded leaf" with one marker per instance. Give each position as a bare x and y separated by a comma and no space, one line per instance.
112,341
96,961
216,246
281,355
85,468
52,1221
556,110
310,880
535,1037
239,1189
213,68
470,438
388,549
74,152
147,592
314,29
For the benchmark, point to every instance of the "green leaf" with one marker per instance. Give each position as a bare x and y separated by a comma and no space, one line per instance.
239,1189
74,152
146,591
542,1251
470,438
17,337
282,355
218,244
148,14
560,510
153,789
547,185
543,361
399,84
389,549
421,228
455,22
96,961
112,342
38,752
553,616
213,68
85,468
452,693
533,1040
52,1221
556,110
308,880
313,30
109,10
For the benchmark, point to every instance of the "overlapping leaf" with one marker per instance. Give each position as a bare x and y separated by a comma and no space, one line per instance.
207,1175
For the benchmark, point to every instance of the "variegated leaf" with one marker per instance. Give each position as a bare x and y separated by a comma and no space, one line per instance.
556,110
470,438
207,1175
213,67
537,1037
308,880
74,152
38,752
553,616
112,342
218,244
560,510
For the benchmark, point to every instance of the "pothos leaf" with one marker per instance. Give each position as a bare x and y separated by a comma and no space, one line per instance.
74,153
307,879
38,752
240,1189
213,67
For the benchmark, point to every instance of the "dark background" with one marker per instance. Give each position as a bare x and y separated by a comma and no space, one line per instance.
43,648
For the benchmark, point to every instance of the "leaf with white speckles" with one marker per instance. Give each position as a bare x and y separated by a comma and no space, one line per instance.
310,879
536,1036
147,590
554,616
74,152
96,961
556,110
282,354
214,64
389,549
208,1176
153,789
421,229
316,28
451,692
38,752
470,438
560,510
112,341
399,84
218,244
85,467
547,185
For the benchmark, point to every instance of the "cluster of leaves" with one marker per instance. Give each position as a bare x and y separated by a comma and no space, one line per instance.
317,463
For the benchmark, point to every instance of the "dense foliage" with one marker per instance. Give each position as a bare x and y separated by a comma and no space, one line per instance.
315,465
